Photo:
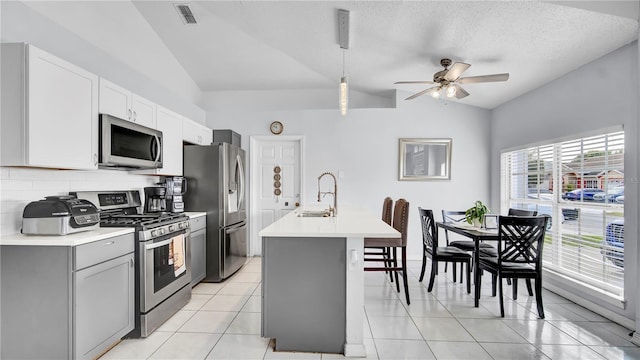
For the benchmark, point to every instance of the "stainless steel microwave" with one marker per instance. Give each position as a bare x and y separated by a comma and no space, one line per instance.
124,144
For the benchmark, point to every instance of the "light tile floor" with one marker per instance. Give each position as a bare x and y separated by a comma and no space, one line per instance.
222,321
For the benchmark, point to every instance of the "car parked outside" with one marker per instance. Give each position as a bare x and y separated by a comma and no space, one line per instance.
612,246
620,199
610,196
585,194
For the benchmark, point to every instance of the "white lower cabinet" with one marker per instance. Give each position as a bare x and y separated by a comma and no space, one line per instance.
49,111
66,302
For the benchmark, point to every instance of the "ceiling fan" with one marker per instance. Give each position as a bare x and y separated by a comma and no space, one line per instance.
449,80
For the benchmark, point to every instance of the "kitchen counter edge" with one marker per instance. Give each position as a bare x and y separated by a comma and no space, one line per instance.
350,222
75,239
195,214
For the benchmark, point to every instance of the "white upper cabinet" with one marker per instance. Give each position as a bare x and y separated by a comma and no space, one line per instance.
170,123
122,103
195,133
49,111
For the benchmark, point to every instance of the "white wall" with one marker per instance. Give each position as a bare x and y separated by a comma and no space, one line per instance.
19,186
364,145
598,95
19,23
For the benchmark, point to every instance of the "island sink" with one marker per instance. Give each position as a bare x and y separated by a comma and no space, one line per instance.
315,213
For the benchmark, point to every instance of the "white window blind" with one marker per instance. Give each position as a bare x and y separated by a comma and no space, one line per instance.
580,184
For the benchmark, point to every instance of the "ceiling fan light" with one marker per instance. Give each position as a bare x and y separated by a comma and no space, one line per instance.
436,94
451,91
344,96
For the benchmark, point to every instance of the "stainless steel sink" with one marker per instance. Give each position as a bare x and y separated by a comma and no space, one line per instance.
316,213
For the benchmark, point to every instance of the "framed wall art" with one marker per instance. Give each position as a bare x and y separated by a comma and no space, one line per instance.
425,159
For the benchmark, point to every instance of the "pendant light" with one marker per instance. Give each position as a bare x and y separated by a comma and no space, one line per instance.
344,91
343,39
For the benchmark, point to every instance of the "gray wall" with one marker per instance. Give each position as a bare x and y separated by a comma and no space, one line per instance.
364,145
601,94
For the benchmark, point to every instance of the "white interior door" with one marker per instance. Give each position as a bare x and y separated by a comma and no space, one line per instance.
275,183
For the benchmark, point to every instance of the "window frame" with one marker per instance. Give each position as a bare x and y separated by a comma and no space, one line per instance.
615,295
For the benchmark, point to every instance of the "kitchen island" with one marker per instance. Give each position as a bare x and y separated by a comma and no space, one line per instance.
313,280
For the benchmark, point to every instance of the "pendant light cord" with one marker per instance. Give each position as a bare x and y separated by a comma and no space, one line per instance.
343,57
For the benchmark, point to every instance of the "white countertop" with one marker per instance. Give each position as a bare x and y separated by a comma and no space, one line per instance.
195,214
75,239
349,222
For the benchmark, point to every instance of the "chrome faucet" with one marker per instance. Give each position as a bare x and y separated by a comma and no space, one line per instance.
334,210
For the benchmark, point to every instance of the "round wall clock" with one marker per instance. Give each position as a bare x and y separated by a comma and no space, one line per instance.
276,127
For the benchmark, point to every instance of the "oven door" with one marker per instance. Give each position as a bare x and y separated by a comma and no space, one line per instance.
165,267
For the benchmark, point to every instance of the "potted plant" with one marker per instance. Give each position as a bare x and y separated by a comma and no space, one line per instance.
475,214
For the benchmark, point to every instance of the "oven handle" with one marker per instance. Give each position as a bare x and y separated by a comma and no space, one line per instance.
158,244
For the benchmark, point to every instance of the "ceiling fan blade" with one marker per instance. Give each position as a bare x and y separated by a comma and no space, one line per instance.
460,92
455,71
483,78
427,91
414,82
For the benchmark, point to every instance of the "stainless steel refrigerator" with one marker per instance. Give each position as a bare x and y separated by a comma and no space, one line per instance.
216,178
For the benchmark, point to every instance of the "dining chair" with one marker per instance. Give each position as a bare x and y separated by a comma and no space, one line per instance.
400,223
519,255
453,216
377,247
437,253
521,212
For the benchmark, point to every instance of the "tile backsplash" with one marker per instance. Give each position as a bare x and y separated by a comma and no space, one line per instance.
20,186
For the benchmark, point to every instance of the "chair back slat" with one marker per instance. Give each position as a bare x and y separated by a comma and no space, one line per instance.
453,216
401,219
522,212
429,233
521,239
387,207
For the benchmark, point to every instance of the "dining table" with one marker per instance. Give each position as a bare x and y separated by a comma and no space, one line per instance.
477,235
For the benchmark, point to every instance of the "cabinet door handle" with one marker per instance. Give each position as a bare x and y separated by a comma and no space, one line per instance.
131,261
135,116
109,243
129,111
95,159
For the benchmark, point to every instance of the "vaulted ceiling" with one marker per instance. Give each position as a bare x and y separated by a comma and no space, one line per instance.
293,45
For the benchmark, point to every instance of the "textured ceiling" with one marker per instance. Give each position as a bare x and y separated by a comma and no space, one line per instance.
292,45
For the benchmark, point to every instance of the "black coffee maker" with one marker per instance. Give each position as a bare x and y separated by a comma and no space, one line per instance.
155,199
176,187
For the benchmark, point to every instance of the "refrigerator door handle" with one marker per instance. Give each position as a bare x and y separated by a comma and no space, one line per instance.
241,181
232,230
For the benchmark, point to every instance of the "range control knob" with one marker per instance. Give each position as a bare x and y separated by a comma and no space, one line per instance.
171,228
161,231
153,233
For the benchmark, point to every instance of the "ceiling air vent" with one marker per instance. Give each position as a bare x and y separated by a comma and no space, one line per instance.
185,14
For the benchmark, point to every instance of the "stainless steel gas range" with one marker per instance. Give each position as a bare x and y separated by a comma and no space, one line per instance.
163,261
